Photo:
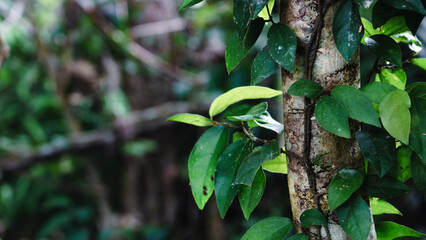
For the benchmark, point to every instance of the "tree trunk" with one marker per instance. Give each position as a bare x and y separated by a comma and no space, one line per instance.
308,183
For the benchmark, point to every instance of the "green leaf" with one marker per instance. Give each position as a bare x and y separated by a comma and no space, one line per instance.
306,88
332,116
418,170
272,228
386,48
263,66
238,94
390,230
378,148
236,110
256,7
342,186
276,165
203,160
382,13
255,111
264,13
401,170
282,45
249,196
417,93
410,5
312,217
225,188
188,3
379,206
237,136
354,217
376,91
395,77
385,187
266,121
236,50
395,114
193,119
356,104
347,28
420,62
252,162
365,3
299,236
242,17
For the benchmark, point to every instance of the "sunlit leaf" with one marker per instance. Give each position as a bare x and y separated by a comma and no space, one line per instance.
420,62
276,165
379,206
395,77
390,230
193,119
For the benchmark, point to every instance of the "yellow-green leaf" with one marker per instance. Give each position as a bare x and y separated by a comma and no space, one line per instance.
193,119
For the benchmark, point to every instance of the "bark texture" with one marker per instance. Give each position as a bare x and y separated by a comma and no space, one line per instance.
308,183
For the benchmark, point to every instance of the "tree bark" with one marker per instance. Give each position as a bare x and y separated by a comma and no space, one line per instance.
304,138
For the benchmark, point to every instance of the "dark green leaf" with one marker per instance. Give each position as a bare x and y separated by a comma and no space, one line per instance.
411,5
385,187
390,230
364,3
282,45
342,186
382,13
354,217
332,116
418,170
420,62
312,217
242,17
306,88
395,77
255,111
379,206
395,114
347,28
188,3
299,236
376,91
252,162
203,160
249,196
236,50
237,136
386,48
356,104
263,66
237,110
378,147
256,6
225,188
272,228
417,93
401,170
193,119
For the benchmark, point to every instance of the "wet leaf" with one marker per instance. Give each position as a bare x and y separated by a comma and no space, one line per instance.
282,45
263,66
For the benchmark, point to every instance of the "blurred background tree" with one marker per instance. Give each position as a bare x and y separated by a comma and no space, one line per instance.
85,88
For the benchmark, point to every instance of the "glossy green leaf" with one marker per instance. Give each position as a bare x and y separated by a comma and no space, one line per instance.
256,7
379,206
276,165
347,28
417,93
312,217
418,170
188,3
238,94
342,186
356,104
255,111
249,196
420,62
395,77
385,187
401,170
236,50
306,88
272,228
236,110
332,116
390,230
378,148
263,66
252,162
395,114
299,236
354,217
410,5
242,17
282,45
203,160
382,13
227,166
386,48
376,91
364,3
193,119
